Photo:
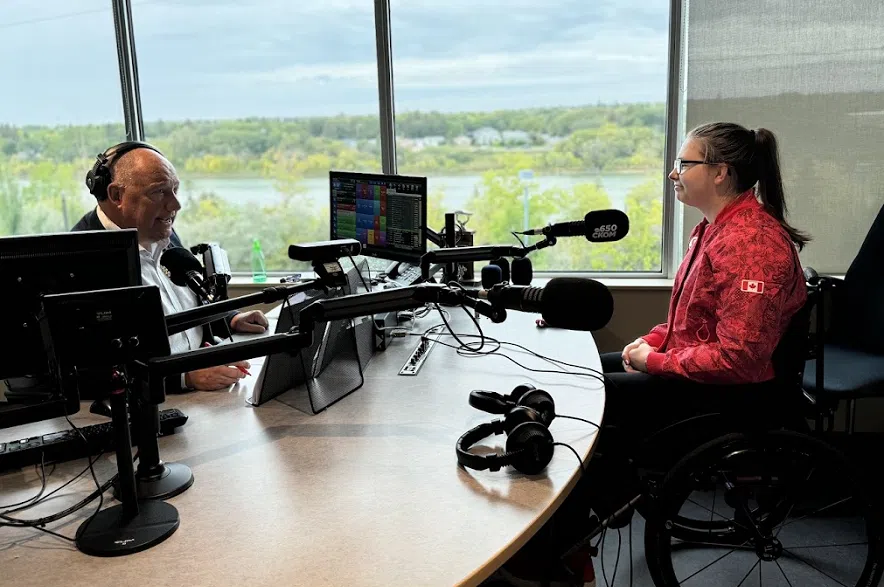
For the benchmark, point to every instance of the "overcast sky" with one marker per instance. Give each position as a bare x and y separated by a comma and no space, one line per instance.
203,59
229,58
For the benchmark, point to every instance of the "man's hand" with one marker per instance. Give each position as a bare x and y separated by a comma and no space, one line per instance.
254,322
638,357
215,378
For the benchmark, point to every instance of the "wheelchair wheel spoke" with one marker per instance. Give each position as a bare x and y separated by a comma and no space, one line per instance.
728,553
713,513
791,507
820,510
814,567
784,573
758,562
830,545
743,546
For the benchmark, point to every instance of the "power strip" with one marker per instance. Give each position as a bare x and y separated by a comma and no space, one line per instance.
418,356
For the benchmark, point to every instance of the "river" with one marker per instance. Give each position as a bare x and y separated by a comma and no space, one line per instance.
457,188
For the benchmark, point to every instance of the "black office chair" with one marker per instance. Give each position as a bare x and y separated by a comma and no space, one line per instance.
848,356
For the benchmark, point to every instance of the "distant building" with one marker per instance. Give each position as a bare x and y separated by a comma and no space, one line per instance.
515,137
487,136
431,141
462,141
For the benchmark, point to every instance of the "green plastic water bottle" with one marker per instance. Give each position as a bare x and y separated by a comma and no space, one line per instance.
259,270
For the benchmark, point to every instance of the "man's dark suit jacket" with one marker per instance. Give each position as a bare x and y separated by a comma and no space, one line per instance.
90,221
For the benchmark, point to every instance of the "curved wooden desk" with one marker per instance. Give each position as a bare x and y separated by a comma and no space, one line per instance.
366,493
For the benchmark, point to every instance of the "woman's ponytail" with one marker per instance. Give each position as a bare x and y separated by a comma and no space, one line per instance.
770,183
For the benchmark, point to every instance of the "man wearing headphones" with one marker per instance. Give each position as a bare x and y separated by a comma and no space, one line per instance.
137,187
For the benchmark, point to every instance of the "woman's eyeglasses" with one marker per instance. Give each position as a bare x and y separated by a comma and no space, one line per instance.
681,163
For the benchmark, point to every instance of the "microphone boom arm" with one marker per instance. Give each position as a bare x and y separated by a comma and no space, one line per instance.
352,306
181,321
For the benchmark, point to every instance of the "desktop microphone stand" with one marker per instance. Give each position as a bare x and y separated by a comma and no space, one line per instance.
154,478
135,524
479,253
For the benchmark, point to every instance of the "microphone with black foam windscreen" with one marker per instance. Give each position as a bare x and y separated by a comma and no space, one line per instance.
521,271
504,265
572,303
186,271
598,226
491,276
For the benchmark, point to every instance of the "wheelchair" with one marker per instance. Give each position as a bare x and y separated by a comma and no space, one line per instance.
747,493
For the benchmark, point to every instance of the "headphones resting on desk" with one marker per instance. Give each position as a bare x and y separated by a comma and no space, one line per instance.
99,177
529,444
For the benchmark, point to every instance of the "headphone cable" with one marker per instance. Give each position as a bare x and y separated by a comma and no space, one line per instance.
571,448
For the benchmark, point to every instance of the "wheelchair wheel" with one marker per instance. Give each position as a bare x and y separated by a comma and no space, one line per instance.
774,508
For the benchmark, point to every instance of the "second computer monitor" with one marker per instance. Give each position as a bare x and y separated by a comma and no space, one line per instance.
386,213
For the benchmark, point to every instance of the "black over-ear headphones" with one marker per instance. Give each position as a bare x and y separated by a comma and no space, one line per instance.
99,177
529,443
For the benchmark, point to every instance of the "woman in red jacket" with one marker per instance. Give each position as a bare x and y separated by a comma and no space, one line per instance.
737,289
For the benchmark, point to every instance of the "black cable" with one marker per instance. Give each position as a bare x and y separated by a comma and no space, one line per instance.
602,557
551,359
92,472
630,553
359,272
580,420
529,369
518,238
475,320
617,559
462,344
594,373
63,485
571,448
7,508
99,492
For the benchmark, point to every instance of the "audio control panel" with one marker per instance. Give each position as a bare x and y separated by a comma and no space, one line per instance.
418,356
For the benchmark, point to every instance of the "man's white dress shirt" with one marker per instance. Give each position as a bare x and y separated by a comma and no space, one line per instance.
174,298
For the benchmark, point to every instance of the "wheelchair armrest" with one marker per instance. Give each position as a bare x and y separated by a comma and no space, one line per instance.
815,280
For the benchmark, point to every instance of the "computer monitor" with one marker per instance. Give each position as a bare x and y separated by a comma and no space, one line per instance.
386,213
34,265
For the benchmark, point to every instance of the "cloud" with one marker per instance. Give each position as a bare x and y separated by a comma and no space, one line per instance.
546,63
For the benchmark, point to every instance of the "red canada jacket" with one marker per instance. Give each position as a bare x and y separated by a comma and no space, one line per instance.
738,287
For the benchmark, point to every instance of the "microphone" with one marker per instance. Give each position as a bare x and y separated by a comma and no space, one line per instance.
491,276
504,265
185,271
598,226
572,303
521,271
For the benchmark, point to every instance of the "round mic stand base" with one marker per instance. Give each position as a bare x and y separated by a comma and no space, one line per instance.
112,533
164,482
154,478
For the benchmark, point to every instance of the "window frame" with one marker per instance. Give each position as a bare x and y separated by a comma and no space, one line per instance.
676,69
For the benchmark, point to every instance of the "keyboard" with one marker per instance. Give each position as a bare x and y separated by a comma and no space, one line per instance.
67,444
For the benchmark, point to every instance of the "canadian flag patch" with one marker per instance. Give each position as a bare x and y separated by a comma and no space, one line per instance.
752,286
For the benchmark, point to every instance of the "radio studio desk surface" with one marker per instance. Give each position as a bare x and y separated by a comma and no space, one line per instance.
367,492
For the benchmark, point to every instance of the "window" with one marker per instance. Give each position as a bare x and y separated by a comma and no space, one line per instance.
525,112
60,106
254,103
811,73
